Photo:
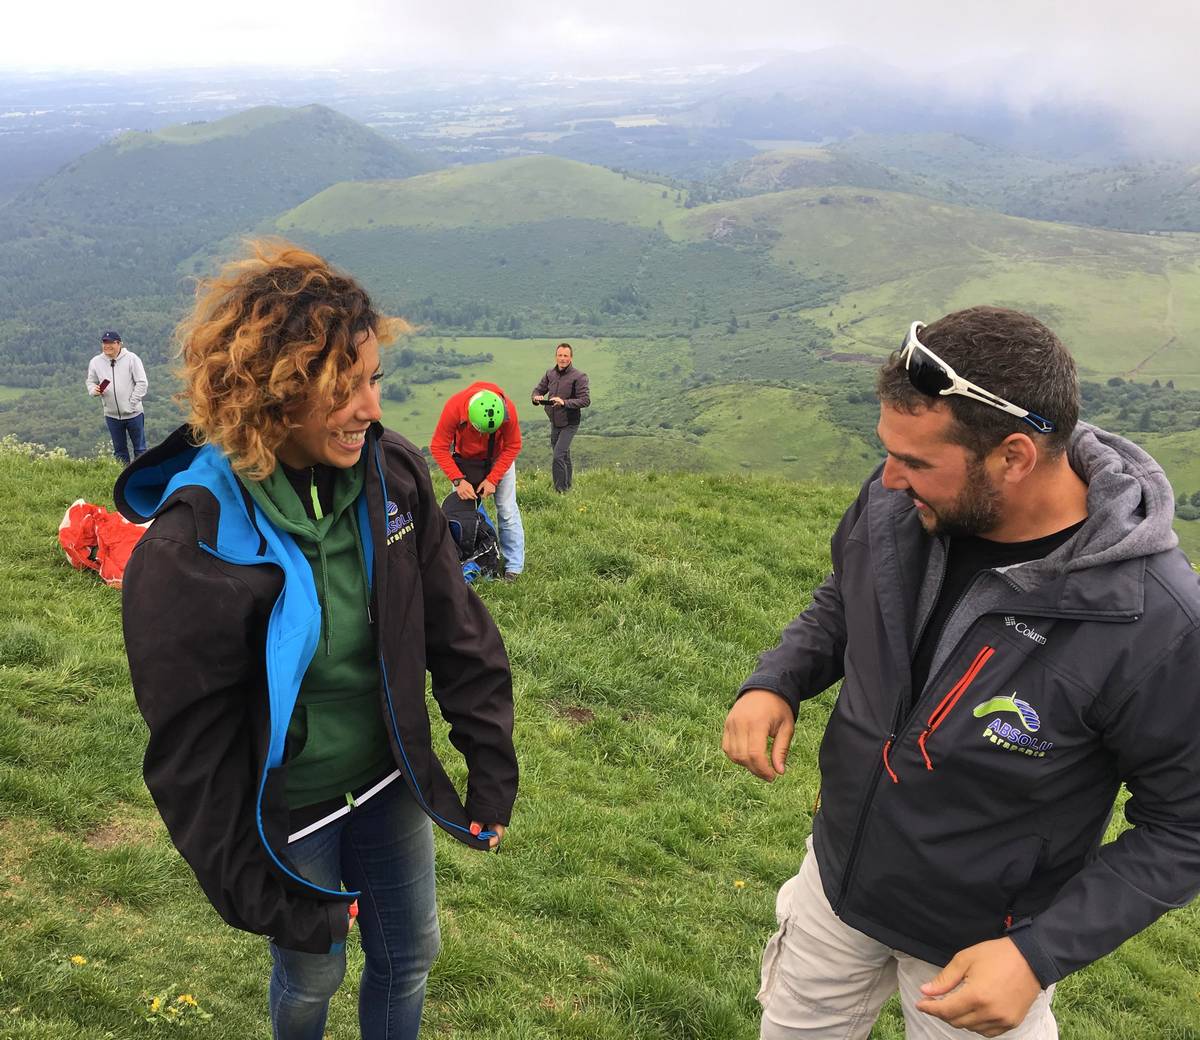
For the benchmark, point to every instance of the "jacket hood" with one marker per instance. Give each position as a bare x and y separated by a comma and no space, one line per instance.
1131,505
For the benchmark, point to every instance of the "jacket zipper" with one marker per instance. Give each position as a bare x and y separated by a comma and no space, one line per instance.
391,707
947,703
898,727
112,363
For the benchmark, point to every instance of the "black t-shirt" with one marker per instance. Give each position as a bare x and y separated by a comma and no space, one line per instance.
304,480
966,557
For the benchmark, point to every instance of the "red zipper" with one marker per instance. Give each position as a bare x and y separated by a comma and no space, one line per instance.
947,703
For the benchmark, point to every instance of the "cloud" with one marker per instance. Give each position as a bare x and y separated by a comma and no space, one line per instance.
1138,56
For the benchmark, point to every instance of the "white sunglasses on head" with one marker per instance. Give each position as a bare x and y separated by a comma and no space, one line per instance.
929,374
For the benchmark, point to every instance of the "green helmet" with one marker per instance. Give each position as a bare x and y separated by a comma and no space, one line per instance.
485,411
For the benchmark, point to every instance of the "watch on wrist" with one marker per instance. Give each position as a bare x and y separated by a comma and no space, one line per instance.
456,481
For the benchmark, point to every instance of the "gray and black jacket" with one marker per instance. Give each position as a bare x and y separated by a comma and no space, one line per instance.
572,386
980,811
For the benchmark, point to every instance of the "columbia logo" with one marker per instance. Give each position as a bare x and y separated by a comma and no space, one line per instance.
1025,630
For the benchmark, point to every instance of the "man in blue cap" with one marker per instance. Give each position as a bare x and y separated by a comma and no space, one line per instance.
117,376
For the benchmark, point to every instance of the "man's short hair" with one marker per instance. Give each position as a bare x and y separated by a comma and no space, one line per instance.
568,346
1008,353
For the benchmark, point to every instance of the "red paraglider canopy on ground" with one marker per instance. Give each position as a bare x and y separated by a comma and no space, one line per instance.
95,539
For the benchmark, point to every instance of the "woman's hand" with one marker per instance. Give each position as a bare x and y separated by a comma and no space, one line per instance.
497,828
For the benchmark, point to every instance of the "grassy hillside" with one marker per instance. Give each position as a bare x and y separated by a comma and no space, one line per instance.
220,174
109,241
636,887
950,167
500,194
1125,304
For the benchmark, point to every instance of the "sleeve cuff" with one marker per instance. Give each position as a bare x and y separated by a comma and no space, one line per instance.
486,814
1040,962
773,683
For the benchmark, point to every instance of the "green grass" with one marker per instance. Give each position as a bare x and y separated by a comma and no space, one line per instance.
11,393
500,194
237,125
611,911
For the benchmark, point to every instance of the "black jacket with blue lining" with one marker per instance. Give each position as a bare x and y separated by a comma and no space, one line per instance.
221,618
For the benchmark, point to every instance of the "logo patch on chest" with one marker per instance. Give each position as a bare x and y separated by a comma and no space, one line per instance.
1005,736
398,524
1026,630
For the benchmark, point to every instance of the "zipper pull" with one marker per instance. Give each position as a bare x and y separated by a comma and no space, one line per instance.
312,490
921,744
886,764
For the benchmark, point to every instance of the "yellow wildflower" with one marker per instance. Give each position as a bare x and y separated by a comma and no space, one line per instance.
155,1004
78,960
186,998
739,884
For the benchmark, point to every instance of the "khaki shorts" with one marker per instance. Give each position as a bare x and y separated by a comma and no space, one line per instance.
823,980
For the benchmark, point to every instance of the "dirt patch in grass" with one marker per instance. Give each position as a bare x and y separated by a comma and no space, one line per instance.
128,830
573,713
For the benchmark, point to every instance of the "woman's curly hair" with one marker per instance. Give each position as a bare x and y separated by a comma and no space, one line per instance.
269,334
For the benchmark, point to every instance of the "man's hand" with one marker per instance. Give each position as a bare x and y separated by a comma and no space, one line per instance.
465,491
538,398
96,391
486,488
993,989
558,401
759,716
498,828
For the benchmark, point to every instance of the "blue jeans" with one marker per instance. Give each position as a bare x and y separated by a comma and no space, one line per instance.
135,427
508,522
385,850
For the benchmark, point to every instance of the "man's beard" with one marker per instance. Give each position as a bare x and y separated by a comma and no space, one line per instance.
975,512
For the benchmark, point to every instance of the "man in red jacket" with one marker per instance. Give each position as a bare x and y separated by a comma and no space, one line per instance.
476,444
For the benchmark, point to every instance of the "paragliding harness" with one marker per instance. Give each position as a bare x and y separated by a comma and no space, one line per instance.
472,528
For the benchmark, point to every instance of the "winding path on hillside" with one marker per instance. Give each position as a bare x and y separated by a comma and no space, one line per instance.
1168,327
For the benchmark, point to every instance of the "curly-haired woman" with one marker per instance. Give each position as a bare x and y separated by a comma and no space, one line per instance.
280,616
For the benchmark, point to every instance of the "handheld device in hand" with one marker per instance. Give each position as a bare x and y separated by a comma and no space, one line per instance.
103,385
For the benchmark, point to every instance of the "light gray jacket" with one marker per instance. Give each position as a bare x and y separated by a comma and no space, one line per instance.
127,383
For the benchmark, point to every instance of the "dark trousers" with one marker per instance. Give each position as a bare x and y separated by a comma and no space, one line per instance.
135,428
560,441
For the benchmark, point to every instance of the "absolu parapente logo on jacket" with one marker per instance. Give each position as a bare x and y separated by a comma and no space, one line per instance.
1004,735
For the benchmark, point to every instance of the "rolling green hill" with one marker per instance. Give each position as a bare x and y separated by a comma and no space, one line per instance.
490,195
109,241
1136,196
1126,304
635,889
216,177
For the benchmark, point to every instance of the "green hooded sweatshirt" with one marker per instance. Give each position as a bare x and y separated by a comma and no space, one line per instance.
336,736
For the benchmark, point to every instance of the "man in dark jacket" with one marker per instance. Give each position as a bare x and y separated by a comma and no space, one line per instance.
1016,635
565,389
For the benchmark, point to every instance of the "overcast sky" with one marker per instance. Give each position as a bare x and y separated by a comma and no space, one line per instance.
1139,55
